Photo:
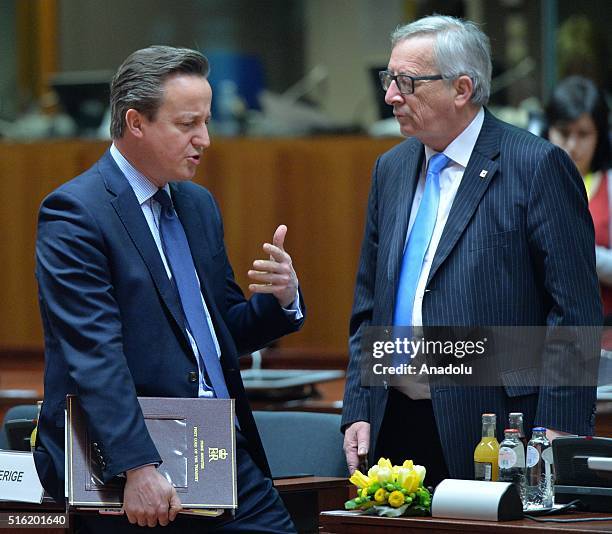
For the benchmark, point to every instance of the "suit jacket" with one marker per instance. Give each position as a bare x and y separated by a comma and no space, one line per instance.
112,321
503,259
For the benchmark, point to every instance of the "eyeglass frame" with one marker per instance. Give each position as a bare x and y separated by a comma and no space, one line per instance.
393,77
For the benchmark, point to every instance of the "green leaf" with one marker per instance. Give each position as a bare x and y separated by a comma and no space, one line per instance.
373,488
350,505
423,497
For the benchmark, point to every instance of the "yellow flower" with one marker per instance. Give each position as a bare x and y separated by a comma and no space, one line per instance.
421,471
359,479
373,473
408,464
364,492
385,462
381,495
408,479
384,475
396,499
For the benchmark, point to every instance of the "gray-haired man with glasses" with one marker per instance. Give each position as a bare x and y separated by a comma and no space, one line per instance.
469,223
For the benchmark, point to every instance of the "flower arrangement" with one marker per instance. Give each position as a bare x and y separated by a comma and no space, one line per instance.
391,490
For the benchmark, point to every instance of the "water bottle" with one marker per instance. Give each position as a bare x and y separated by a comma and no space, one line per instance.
515,420
512,461
540,475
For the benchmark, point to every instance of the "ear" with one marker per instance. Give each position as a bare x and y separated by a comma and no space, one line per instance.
134,122
464,87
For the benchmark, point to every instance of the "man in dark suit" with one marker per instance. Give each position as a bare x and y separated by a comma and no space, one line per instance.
470,222
137,297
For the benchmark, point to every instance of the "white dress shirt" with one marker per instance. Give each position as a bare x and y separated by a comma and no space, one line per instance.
459,152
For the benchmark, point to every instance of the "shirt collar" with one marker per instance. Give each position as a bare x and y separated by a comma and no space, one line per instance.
461,148
143,188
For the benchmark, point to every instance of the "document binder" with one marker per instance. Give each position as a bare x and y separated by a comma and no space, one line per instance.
195,438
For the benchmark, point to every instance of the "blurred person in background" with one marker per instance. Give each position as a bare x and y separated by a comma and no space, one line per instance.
577,118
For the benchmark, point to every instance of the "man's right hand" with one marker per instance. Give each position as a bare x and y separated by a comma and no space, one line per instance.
148,498
356,444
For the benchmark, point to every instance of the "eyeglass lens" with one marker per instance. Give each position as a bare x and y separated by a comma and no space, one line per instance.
404,82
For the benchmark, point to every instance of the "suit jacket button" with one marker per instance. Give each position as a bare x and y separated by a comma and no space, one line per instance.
192,376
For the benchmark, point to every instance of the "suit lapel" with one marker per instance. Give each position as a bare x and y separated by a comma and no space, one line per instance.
479,173
129,211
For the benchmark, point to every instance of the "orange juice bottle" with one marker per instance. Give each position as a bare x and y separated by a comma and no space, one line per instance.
486,452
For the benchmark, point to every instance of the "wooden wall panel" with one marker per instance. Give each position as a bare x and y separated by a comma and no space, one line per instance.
317,187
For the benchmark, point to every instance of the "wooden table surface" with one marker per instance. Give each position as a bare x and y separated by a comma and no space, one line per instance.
340,522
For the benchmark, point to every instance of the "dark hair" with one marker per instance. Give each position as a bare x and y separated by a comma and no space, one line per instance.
138,83
573,97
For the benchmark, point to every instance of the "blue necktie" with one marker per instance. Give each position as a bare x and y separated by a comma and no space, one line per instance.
418,242
179,257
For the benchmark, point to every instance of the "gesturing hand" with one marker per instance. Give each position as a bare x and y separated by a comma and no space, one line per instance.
148,498
276,275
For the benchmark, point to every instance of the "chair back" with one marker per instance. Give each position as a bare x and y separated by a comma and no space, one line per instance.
18,423
302,443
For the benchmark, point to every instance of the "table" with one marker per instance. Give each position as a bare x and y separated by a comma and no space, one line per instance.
341,522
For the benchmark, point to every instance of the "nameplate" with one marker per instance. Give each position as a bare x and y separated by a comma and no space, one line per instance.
475,499
18,478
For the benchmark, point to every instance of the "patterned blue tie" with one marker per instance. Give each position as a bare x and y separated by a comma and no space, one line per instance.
418,242
179,257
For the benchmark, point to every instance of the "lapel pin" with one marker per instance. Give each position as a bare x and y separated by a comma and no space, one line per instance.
483,173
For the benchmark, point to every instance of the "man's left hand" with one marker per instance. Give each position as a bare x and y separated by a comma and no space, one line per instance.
276,275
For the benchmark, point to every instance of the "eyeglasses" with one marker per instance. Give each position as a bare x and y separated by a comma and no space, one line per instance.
404,82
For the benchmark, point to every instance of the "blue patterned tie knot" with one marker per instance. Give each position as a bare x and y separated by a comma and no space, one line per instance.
164,199
437,162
